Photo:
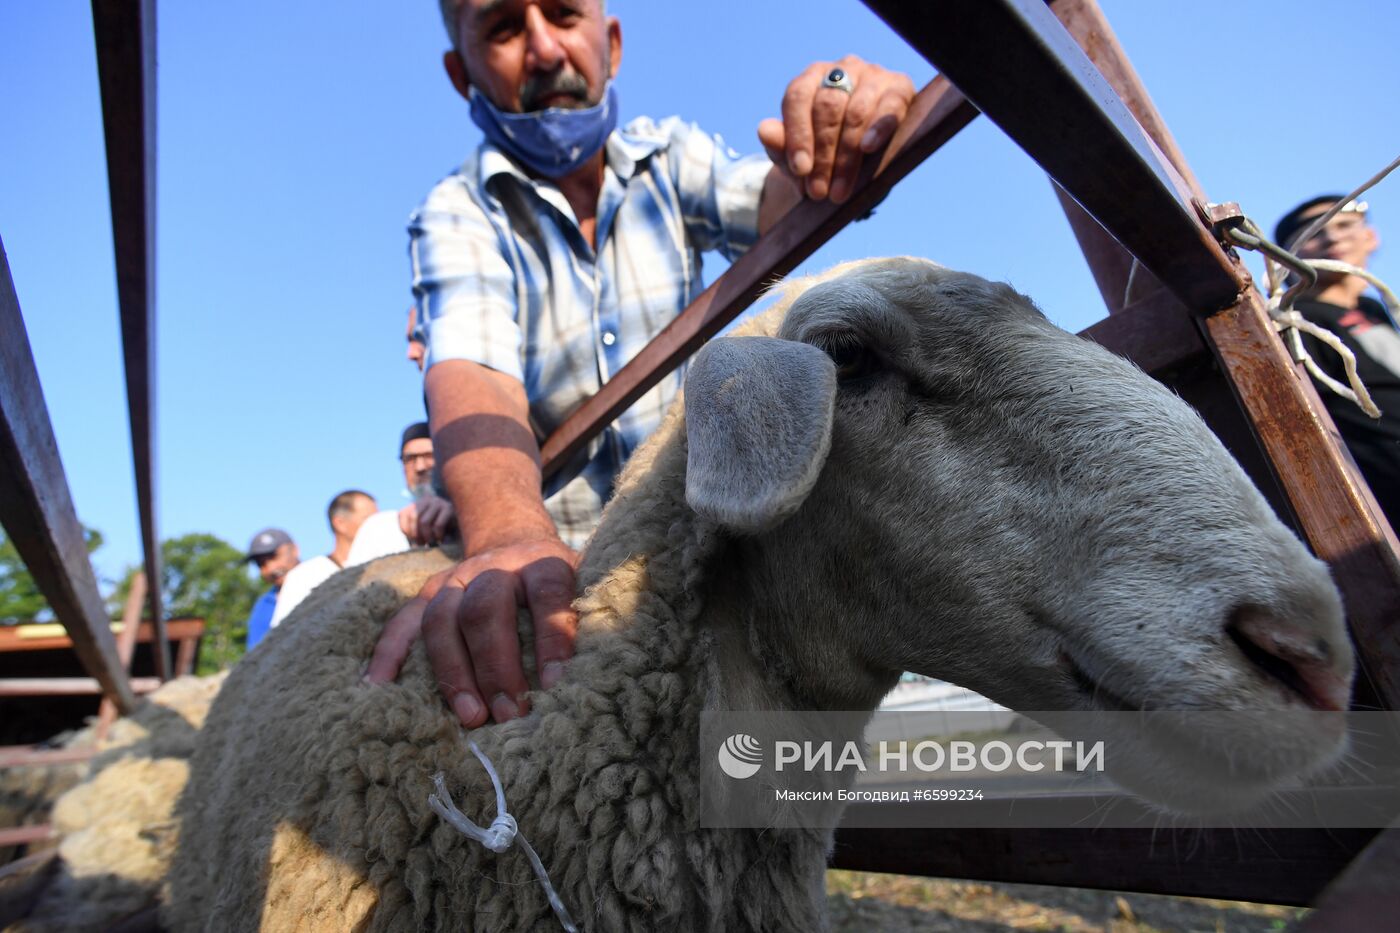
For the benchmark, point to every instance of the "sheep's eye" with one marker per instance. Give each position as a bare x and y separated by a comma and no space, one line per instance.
851,357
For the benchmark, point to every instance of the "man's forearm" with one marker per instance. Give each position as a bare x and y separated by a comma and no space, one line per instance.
488,456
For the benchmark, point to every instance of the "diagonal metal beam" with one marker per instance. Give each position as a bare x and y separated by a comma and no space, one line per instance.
1019,66
125,32
37,510
126,647
1122,280
937,113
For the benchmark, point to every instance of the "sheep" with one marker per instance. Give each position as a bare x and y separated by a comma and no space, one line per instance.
896,467
117,832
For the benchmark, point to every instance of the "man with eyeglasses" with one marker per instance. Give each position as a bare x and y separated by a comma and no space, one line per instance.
425,521
1338,303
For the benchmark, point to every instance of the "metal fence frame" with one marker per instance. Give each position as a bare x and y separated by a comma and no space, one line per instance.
1191,317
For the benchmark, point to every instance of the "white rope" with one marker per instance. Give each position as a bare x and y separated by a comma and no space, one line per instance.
1292,322
1281,296
1335,265
500,835
1289,322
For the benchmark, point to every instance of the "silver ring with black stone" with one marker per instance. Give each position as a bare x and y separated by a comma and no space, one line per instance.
838,79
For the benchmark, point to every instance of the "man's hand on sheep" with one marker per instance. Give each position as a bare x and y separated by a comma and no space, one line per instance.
425,522
826,131
467,617
513,556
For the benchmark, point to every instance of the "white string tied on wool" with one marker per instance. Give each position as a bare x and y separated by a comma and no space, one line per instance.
500,835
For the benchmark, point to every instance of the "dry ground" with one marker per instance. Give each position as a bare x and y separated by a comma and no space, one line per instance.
868,902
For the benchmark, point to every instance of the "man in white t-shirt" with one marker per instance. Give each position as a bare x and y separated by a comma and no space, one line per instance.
346,513
423,522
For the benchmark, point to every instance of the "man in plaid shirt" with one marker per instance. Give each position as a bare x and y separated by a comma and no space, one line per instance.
540,267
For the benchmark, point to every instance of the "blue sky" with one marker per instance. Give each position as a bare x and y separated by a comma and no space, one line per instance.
295,138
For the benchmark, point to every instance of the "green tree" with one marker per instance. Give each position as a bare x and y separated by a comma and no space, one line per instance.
20,599
204,577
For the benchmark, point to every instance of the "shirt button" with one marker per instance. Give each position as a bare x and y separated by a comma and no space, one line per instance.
609,338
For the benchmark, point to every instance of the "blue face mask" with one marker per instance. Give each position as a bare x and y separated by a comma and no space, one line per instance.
551,142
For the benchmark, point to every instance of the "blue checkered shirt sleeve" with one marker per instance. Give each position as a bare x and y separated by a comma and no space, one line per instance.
465,290
718,190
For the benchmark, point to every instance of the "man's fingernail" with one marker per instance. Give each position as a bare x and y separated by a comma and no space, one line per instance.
503,708
801,163
868,140
467,708
838,190
551,674
816,189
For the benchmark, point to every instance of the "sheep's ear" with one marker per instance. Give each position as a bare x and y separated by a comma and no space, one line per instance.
758,427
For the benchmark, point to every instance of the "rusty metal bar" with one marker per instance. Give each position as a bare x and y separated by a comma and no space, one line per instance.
1331,502
67,686
1334,506
1155,332
184,658
23,835
37,510
1119,280
1086,23
936,115
24,756
126,646
1126,283
1048,97
125,32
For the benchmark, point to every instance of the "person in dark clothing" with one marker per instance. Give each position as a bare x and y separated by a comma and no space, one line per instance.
1338,303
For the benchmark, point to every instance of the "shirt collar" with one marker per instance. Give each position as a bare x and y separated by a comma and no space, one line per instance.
624,150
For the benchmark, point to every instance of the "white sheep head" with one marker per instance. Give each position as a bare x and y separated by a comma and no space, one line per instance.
920,472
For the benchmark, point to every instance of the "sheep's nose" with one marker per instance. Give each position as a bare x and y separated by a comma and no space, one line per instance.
1303,661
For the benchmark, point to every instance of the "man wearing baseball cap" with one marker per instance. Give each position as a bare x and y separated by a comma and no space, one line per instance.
1338,303
275,553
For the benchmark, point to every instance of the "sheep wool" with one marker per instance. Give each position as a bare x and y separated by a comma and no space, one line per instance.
979,551
318,788
116,826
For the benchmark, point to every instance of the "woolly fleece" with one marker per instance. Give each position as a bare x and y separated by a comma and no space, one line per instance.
117,828
307,806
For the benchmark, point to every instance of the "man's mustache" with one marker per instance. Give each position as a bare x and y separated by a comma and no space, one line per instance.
541,86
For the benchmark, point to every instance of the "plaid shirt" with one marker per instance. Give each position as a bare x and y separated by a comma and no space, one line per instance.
503,277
